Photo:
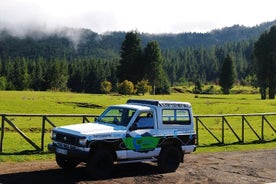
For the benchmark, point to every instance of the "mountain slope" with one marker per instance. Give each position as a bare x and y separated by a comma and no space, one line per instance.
72,43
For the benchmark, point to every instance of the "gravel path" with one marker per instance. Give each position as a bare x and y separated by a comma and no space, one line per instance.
229,167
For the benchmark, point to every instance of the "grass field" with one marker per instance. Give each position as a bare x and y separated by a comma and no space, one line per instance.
30,102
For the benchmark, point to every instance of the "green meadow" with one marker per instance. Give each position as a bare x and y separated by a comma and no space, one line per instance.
15,148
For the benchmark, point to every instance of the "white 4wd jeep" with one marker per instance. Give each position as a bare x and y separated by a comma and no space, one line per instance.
140,130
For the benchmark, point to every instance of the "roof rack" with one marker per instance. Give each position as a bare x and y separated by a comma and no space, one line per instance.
161,103
149,102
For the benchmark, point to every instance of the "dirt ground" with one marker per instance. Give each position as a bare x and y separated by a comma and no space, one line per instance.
229,167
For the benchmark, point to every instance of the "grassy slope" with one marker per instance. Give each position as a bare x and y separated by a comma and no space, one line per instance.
68,103
62,103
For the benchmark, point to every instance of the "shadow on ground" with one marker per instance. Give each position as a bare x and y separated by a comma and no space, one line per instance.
59,176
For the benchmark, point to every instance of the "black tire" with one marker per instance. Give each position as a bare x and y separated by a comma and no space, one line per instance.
100,164
66,163
169,159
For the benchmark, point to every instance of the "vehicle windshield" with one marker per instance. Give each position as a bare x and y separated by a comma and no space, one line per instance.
117,115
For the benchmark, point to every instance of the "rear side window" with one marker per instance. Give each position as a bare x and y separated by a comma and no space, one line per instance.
176,117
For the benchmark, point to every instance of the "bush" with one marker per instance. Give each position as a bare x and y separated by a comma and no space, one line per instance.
106,87
143,87
126,87
198,88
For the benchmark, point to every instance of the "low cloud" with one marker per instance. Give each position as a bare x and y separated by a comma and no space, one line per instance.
42,31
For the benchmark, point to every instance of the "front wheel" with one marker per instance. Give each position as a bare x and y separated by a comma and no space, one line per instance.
66,163
100,164
169,159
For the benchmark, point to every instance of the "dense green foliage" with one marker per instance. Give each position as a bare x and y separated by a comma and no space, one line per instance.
79,60
126,88
265,63
153,69
106,87
78,75
130,67
227,75
74,43
137,65
204,64
143,87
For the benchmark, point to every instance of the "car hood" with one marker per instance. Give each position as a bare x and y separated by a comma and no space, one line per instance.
93,130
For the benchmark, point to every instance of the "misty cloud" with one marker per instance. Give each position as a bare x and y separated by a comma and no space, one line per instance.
42,31
21,17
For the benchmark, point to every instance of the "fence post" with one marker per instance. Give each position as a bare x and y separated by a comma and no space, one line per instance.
197,130
222,130
262,127
2,134
84,119
42,133
242,128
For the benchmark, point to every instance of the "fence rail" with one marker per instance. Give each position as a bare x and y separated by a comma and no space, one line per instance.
241,123
45,118
205,125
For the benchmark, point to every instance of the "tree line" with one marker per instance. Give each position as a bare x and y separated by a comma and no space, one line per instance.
160,68
85,74
78,75
74,43
204,64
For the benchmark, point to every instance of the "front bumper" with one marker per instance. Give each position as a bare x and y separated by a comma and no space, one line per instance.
68,153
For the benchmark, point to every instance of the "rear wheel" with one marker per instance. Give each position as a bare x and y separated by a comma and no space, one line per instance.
169,159
66,163
100,164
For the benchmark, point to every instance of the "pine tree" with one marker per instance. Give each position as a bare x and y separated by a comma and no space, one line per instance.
228,75
20,77
131,66
154,71
37,74
57,77
265,63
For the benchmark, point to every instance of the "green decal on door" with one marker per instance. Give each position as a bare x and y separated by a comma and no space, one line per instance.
141,143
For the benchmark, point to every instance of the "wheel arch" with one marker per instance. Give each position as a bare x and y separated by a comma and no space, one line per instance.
173,142
102,145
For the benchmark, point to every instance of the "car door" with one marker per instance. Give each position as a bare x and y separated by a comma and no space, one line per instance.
141,140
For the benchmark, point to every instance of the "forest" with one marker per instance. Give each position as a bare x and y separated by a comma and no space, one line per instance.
79,59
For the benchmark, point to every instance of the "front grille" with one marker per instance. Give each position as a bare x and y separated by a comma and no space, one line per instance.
67,146
66,138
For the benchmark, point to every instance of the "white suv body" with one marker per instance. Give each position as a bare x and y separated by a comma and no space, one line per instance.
140,130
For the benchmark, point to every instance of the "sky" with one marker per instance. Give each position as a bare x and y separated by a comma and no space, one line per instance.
147,16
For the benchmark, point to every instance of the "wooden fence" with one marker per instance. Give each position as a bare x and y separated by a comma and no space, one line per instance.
215,126
237,125
45,118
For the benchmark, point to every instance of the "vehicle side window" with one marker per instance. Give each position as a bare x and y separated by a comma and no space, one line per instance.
144,120
176,116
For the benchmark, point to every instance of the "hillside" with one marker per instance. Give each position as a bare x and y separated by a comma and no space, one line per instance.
79,59
72,43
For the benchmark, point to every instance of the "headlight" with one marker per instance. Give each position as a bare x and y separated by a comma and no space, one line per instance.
82,141
53,135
